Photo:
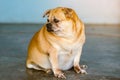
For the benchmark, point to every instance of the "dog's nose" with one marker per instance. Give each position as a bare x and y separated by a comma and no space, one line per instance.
49,25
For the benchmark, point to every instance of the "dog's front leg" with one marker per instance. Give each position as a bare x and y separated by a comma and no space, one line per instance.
53,57
77,67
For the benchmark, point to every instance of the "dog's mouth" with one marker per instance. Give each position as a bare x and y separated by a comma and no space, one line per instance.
50,30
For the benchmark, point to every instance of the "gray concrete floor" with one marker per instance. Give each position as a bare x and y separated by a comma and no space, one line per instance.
101,53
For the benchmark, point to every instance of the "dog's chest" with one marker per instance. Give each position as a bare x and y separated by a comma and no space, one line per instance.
66,59
66,54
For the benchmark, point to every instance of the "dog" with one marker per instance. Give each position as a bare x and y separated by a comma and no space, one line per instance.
57,46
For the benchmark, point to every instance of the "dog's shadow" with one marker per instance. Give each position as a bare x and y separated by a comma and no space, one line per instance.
38,75
41,75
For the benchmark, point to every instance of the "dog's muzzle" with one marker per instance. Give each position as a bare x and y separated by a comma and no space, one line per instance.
49,27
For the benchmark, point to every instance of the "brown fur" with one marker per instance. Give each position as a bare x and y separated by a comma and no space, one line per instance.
63,45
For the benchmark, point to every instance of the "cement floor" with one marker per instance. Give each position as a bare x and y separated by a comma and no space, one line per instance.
101,53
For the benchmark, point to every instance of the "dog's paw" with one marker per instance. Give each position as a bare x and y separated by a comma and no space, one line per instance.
59,74
79,70
49,71
84,67
82,71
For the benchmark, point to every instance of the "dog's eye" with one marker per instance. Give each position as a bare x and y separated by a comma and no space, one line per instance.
56,20
47,20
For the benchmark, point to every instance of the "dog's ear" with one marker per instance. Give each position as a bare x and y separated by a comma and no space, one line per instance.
46,13
68,12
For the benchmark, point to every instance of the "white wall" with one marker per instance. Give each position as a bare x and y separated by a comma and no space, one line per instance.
97,11
30,11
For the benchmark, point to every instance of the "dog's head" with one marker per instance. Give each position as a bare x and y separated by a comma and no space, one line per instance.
60,19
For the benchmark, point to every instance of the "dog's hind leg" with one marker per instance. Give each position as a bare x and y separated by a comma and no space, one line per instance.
32,65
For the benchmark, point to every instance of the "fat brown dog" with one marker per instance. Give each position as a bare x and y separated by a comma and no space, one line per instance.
58,44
